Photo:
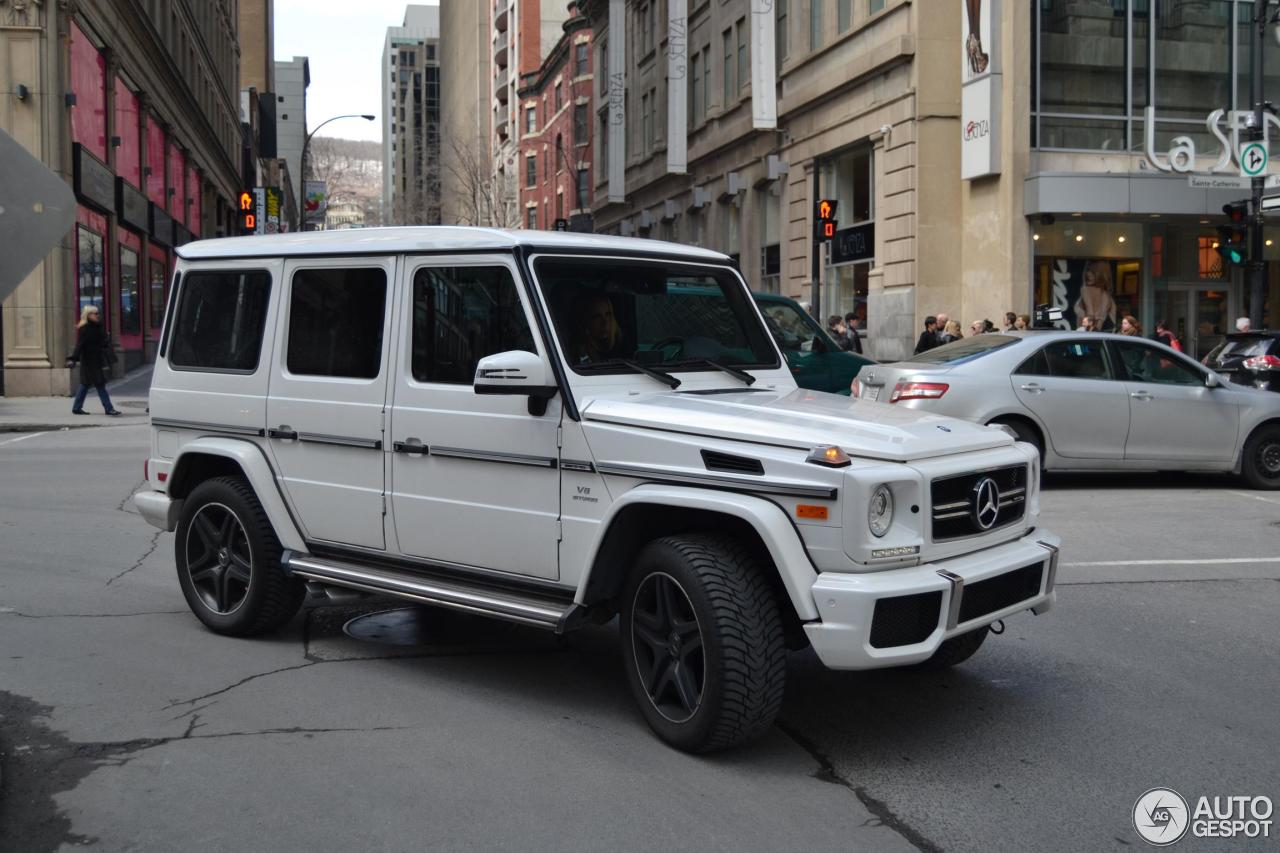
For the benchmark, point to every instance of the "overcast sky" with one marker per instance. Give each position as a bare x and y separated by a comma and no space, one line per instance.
343,41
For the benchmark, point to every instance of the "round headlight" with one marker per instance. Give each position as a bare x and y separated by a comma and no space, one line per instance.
880,511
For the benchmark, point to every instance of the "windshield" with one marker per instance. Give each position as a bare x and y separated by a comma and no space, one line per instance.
653,313
1239,348
965,349
793,329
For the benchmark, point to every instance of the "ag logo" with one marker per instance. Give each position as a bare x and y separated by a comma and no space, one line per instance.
1160,816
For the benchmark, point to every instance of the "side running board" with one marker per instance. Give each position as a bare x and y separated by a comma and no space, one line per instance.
543,611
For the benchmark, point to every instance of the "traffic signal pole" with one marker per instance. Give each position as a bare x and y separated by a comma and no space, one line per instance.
1257,266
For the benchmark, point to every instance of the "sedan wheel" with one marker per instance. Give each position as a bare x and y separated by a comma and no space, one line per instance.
1261,461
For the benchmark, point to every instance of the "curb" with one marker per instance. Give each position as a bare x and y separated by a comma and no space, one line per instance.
10,428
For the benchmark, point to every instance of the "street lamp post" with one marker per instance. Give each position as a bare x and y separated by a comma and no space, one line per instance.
302,167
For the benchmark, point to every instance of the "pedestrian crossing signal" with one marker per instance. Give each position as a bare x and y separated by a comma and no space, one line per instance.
825,214
248,213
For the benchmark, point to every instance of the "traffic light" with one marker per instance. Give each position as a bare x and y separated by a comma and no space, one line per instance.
247,215
824,214
1233,239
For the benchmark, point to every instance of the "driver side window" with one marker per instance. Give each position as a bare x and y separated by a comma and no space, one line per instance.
1153,364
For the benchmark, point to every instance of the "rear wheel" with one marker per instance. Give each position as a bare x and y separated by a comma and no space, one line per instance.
228,560
703,642
1260,464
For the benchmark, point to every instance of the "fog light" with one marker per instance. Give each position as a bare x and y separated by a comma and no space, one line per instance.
902,551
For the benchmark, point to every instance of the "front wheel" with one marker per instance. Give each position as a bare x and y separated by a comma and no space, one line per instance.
228,561
702,642
1261,461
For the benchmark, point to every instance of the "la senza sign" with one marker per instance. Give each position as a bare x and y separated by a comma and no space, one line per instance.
1225,125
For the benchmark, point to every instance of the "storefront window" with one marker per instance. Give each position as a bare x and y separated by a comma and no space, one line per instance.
130,294
90,271
848,178
155,296
1089,269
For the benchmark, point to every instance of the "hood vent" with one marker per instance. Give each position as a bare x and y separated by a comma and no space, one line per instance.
731,464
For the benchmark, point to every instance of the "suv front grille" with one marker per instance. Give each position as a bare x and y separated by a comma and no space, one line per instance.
955,501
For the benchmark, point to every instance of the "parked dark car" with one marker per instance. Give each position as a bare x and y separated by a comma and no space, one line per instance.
816,361
1248,358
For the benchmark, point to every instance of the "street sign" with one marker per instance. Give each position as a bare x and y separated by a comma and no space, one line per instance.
37,209
1217,182
1271,203
1253,159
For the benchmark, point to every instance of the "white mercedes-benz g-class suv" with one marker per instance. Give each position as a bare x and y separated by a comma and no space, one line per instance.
556,428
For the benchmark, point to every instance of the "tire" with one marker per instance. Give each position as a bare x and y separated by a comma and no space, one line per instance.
228,560
1027,433
1260,463
957,650
708,665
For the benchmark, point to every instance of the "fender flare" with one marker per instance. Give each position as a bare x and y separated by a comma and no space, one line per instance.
257,470
780,537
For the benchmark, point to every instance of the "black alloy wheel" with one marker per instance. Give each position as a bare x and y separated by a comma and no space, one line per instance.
219,562
228,560
667,644
1261,461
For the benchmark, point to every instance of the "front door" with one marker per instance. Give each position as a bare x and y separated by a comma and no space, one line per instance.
1200,316
1173,414
1070,386
327,396
475,478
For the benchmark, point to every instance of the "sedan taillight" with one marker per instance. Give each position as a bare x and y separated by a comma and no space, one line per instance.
855,389
917,391
1262,362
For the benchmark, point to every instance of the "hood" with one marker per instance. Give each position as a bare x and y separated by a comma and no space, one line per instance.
801,419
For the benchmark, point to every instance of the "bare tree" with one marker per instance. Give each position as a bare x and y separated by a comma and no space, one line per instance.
352,172
483,196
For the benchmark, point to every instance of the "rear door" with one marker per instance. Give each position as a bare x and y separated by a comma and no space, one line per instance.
327,396
1070,386
1175,416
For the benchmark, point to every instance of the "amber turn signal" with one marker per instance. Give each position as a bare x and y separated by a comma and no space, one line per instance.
817,513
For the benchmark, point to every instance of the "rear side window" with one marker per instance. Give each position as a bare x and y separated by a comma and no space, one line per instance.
1069,360
461,315
219,321
335,322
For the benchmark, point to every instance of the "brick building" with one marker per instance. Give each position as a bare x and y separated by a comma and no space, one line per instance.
554,132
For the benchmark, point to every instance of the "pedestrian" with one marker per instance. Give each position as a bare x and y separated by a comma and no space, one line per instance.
91,350
1242,325
851,331
835,325
942,321
953,331
1166,336
929,337
1023,323
977,327
1010,322
1086,324
1130,326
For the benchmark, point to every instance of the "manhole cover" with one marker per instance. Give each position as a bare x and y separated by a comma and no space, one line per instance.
404,626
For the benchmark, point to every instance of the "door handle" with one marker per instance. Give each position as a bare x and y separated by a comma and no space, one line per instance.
410,445
1033,387
1142,395
283,432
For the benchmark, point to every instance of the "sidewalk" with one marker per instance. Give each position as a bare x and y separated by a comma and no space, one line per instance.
38,414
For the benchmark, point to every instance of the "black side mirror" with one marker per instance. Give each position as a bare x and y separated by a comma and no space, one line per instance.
819,345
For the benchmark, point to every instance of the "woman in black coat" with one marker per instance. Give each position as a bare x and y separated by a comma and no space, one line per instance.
90,353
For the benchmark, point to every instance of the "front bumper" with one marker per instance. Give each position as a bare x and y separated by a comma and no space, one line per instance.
921,606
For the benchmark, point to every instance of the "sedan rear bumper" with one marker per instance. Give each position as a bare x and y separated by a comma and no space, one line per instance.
901,616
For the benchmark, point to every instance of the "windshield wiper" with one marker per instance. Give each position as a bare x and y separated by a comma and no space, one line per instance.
665,378
746,378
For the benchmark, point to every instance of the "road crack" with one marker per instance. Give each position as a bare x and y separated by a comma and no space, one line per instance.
155,542
8,612
133,490
884,816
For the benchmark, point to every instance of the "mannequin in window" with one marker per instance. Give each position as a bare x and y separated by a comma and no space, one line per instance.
973,44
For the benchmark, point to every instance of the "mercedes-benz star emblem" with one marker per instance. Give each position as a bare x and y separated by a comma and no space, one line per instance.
986,503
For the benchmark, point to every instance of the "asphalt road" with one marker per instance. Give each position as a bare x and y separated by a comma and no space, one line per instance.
124,725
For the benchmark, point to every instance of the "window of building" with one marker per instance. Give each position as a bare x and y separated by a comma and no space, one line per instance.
696,107
874,6
581,52
603,62
706,80
726,47
336,318
769,214
815,24
530,119
461,315
531,170
531,218
646,125
581,128
847,178
559,154
130,293
844,14
655,129
558,97
583,189
782,38
559,205
744,58
219,321
91,271
431,53
155,293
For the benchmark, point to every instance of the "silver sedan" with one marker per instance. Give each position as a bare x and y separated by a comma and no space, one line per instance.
1092,401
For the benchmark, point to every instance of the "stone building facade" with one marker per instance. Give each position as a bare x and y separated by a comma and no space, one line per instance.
135,103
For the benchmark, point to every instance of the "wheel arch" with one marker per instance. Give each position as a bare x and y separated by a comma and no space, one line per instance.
209,457
650,512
